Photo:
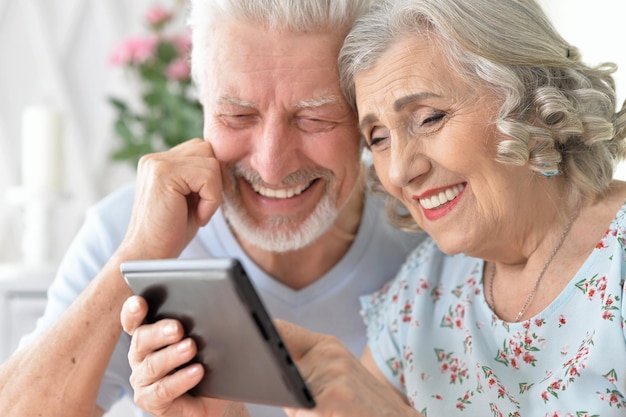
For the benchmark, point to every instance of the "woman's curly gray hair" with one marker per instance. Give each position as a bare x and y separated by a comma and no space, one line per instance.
556,112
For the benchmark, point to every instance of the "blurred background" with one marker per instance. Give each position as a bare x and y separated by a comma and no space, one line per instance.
64,143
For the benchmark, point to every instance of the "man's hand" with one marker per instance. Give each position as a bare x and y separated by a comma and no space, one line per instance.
177,192
156,351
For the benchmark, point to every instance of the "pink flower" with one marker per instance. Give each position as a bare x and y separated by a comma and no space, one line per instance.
133,51
178,69
158,16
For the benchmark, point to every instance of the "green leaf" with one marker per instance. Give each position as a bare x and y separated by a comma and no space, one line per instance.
166,52
118,104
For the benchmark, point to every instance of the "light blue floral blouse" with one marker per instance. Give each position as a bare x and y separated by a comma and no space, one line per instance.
433,335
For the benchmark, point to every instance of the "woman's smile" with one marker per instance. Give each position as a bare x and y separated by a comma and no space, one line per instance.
436,204
437,199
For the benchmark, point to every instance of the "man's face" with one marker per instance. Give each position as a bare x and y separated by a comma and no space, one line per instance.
287,141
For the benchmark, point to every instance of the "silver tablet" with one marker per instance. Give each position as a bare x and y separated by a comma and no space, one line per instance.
239,347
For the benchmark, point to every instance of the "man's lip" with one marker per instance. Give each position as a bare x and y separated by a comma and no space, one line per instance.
281,193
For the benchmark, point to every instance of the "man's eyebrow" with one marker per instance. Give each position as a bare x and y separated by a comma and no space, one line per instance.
237,102
318,102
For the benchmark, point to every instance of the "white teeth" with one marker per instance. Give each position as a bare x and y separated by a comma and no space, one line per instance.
281,193
442,198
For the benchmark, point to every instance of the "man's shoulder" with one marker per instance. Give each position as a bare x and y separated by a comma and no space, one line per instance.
112,212
120,199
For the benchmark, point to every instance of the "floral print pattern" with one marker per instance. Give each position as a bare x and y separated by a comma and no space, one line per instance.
436,339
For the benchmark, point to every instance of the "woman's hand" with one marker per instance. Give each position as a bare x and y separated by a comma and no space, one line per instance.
156,351
341,385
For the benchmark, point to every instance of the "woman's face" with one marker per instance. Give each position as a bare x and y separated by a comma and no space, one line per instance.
433,144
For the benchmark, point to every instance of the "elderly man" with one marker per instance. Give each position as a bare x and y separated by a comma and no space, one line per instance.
277,182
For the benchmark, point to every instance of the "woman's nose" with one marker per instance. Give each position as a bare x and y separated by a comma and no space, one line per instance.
407,163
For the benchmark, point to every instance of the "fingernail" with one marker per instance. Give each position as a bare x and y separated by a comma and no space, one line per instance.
184,345
194,369
170,329
133,305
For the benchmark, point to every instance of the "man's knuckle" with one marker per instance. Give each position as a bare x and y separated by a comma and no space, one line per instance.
150,368
161,390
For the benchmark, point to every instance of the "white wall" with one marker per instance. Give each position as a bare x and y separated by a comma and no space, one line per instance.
595,27
56,52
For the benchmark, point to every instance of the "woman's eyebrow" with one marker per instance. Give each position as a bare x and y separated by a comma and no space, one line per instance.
367,120
400,103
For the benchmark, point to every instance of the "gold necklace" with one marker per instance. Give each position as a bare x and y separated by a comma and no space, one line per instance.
531,296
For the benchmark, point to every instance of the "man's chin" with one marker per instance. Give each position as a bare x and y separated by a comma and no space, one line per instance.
281,234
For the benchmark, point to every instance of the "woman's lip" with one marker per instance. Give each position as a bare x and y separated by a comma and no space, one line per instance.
442,210
434,191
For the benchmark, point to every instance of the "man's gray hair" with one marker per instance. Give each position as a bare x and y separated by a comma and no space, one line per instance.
296,16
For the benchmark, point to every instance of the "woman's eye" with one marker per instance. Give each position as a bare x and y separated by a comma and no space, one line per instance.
425,125
434,118
378,136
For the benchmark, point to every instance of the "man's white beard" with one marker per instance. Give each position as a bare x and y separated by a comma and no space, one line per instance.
283,234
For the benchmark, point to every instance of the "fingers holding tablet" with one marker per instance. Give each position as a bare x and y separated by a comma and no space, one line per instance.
157,355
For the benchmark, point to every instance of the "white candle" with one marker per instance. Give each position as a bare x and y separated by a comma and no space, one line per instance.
41,149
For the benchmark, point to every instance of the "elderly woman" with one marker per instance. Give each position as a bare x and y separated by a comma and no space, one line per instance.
493,137
485,124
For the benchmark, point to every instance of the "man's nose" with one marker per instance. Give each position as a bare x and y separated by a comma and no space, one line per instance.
276,152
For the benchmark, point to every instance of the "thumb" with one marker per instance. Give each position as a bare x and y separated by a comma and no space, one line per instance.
133,313
298,340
